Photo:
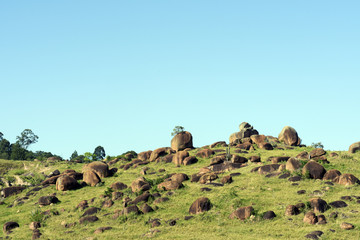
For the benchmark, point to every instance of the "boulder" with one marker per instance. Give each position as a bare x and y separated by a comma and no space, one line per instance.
91,178
160,152
331,175
257,139
310,218
130,209
347,179
317,152
9,226
278,159
217,160
145,208
242,213
91,211
116,186
303,155
314,170
208,178
102,229
226,179
140,184
292,164
10,191
182,141
51,180
34,225
318,205
292,210
269,215
179,157
190,160
346,226
238,159
200,205
289,136
205,153
218,144
169,185
88,219
47,200
265,146
354,147
246,131
338,204
179,177
100,168
255,159
65,183
266,169
143,156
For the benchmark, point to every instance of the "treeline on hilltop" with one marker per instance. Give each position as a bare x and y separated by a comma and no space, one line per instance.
19,149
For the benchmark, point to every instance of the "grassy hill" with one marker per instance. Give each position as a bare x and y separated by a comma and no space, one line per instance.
247,189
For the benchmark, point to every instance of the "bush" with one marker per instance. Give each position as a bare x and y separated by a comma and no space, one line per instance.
317,145
36,215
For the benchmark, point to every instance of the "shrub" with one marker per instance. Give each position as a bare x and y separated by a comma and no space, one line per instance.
36,215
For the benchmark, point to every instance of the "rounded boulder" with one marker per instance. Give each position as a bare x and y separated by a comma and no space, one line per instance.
289,136
182,141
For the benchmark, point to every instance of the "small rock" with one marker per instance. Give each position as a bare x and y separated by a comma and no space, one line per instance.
346,226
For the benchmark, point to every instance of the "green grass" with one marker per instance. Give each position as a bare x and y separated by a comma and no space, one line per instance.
262,193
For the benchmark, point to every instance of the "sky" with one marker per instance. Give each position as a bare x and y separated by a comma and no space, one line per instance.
123,74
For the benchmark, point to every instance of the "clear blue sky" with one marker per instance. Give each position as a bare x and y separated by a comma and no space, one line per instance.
122,74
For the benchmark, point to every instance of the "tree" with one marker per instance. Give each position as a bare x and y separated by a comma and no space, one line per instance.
5,149
317,145
177,129
99,153
17,152
74,155
27,138
88,157
1,136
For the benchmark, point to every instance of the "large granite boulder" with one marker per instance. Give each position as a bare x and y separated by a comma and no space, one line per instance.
65,182
182,141
100,168
289,136
314,170
354,147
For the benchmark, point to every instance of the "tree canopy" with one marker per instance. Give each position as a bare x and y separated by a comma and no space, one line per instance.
177,129
99,153
27,138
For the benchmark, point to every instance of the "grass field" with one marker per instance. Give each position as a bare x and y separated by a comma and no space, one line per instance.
262,193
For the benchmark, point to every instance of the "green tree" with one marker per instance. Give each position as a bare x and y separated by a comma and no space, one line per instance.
27,138
88,157
99,153
74,155
17,152
5,149
1,136
177,129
